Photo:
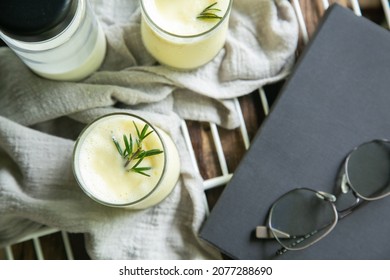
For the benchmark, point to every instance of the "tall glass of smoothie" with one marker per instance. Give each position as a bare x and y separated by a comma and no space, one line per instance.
121,160
184,34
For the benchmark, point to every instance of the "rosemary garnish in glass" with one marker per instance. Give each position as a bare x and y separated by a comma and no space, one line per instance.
133,150
209,12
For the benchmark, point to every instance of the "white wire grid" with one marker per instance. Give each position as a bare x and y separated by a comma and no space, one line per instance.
208,183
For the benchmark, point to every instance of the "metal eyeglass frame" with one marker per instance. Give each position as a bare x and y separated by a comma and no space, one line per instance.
267,232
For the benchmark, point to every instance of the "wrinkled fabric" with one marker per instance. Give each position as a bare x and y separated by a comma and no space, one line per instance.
40,120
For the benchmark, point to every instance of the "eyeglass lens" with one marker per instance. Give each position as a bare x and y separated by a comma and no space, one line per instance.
368,169
303,217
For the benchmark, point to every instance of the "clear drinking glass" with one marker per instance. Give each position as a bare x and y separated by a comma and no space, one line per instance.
68,44
104,175
173,33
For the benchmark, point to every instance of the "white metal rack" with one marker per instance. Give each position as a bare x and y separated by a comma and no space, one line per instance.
208,183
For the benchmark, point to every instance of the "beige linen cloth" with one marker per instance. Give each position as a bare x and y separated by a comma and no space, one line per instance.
40,119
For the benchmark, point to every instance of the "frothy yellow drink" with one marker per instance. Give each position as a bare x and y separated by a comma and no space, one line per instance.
113,176
184,34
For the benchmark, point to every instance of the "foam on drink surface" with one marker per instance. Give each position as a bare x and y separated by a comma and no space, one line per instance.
172,33
102,168
180,16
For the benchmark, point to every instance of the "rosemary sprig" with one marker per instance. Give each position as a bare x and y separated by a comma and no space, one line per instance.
209,12
133,151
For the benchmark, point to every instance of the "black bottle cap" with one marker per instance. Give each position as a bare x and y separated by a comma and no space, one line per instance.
35,20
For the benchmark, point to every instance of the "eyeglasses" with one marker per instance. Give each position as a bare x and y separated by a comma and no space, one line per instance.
303,216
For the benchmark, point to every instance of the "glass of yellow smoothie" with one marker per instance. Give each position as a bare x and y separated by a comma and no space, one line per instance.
184,34
121,160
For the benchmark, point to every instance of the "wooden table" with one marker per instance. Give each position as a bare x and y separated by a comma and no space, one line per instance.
202,140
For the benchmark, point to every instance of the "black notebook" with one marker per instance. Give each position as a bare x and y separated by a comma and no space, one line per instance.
337,97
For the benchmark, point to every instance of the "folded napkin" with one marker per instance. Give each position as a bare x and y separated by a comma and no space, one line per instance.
40,119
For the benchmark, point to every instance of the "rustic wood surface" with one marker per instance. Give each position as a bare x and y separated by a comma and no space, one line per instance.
202,140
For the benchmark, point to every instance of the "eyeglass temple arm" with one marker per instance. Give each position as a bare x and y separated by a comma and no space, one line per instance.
263,232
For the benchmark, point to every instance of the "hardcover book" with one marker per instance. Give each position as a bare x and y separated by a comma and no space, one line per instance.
337,97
